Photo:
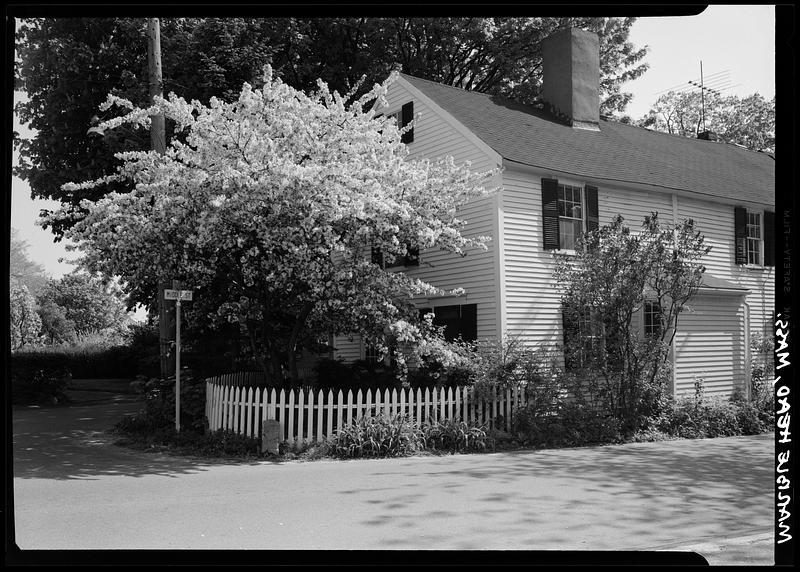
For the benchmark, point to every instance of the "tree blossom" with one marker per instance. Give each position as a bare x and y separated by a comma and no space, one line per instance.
266,207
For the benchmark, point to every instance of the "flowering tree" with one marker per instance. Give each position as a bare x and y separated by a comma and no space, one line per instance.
614,274
266,206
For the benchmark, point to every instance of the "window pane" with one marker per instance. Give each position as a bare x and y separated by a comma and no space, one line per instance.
569,230
753,251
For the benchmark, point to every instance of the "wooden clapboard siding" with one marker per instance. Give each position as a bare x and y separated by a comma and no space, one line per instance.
633,205
715,221
347,348
435,136
709,344
532,308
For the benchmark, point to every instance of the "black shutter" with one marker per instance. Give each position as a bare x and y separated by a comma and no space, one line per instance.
469,322
406,117
550,213
412,258
569,329
769,239
592,211
740,234
377,256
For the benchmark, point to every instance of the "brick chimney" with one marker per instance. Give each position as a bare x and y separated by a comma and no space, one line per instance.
571,77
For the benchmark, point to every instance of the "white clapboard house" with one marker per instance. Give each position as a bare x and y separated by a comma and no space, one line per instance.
568,156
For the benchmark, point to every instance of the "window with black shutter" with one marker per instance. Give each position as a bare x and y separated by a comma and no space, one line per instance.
567,211
754,236
592,209
406,117
550,213
740,234
458,321
769,238
409,259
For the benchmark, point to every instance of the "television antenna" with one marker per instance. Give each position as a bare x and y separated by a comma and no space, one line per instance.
714,83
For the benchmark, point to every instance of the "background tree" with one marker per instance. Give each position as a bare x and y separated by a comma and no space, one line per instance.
605,285
67,66
24,322
748,121
56,327
86,303
268,211
21,268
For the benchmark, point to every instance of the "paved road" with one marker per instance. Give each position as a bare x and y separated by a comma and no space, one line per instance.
73,490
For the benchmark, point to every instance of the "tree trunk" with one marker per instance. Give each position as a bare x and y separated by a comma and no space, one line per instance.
305,311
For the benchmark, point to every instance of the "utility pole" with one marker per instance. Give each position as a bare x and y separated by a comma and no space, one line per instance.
159,144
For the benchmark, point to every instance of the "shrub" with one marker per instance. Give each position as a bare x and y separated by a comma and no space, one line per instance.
361,374
160,401
701,417
30,386
85,359
146,432
454,436
574,425
380,436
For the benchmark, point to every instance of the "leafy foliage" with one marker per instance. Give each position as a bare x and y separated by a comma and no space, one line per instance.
56,327
68,65
84,303
35,384
268,206
21,268
606,283
377,436
455,436
91,356
747,121
159,397
24,321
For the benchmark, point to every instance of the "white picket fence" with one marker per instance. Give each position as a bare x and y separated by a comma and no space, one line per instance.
306,415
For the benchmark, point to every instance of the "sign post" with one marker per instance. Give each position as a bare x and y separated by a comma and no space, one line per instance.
178,295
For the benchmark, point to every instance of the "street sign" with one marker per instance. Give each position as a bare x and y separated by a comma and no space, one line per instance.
178,294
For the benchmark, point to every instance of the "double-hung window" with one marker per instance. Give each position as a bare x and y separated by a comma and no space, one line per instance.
570,216
754,238
568,210
754,233
652,319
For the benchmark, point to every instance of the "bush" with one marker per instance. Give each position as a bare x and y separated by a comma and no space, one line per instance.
380,436
361,374
145,432
455,436
31,386
84,360
572,426
699,417
159,398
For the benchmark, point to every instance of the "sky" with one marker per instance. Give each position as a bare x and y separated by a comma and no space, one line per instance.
736,43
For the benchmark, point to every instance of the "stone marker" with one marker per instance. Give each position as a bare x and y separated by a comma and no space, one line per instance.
270,436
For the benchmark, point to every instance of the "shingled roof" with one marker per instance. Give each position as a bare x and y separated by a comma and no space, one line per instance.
618,152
